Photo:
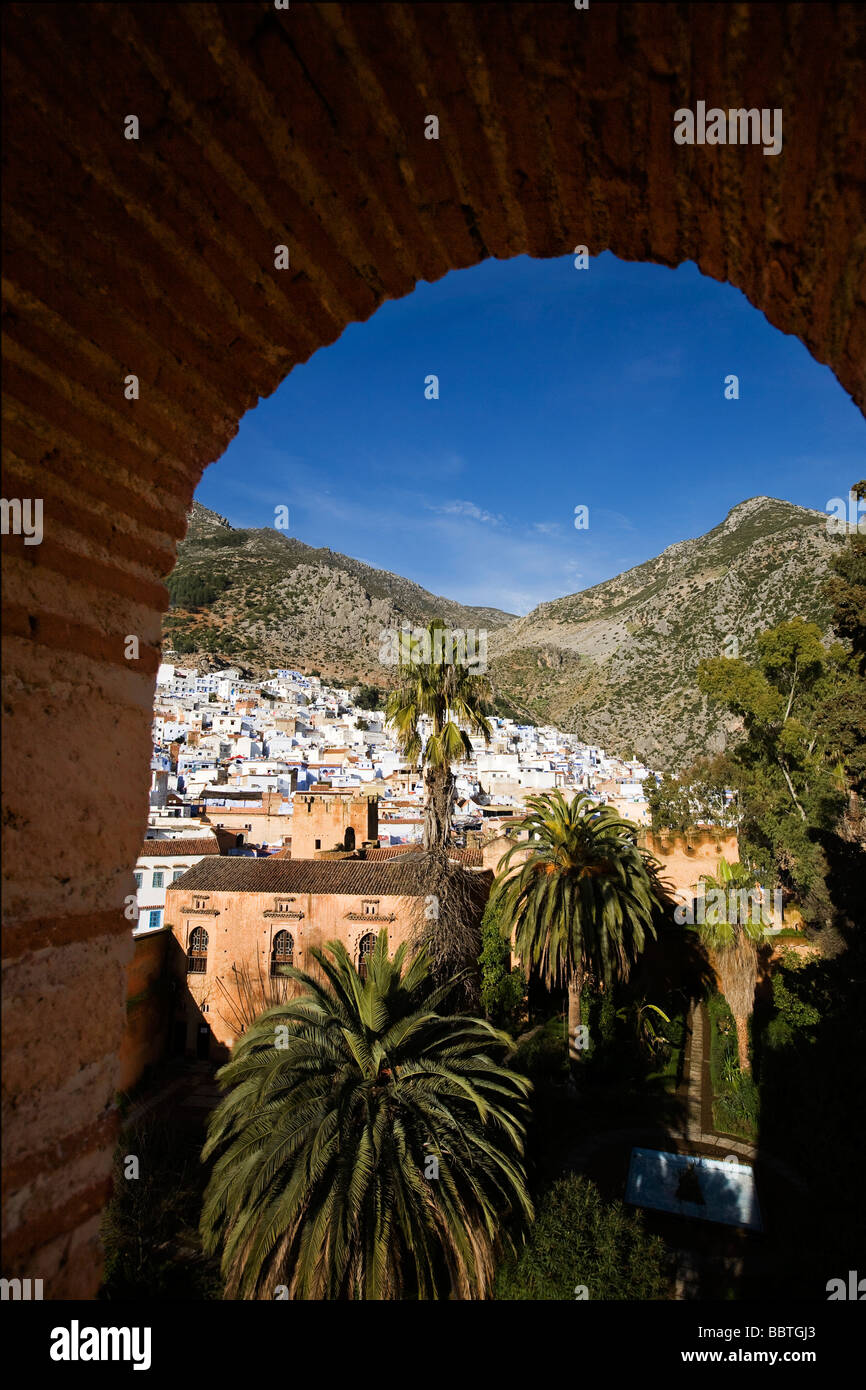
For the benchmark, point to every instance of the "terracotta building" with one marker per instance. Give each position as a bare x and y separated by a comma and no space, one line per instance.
333,818
235,921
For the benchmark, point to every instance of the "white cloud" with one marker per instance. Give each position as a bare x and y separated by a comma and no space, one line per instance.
462,508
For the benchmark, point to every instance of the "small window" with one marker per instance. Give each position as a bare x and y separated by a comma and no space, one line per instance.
178,873
283,952
155,919
318,844
369,909
200,903
139,879
196,963
365,948
158,877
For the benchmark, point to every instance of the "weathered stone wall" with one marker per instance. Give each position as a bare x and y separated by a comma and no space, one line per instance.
684,858
239,934
148,1010
320,821
155,257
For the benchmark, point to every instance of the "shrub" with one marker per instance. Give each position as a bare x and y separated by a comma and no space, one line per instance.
543,1053
503,989
150,1226
736,1103
578,1239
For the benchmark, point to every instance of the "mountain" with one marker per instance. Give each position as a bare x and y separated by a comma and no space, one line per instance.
616,663
264,598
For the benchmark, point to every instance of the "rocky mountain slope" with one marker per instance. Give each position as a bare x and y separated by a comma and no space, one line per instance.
615,663
264,598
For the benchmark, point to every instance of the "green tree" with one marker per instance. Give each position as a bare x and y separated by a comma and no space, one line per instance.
843,717
503,987
789,777
580,1242
709,779
369,697
731,929
449,695
638,1014
796,1016
669,804
582,902
149,1227
368,1146
846,588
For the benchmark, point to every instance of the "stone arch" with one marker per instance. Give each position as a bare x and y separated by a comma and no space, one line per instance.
155,259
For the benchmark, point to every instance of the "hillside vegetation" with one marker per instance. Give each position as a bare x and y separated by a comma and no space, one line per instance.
615,664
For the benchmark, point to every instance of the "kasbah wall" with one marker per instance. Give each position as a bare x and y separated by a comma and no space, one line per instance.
145,1035
321,819
684,858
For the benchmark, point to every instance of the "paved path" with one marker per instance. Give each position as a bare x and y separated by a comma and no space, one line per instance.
194,1091
699,1125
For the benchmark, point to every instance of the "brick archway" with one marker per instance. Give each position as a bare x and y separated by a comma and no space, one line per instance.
155,257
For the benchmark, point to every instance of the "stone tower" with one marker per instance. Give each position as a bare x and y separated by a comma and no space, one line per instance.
333,819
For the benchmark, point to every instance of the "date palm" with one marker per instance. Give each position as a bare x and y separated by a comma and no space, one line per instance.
582,902
450,695
730,932
369,1146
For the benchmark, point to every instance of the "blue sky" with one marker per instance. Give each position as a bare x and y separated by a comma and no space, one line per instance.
557,388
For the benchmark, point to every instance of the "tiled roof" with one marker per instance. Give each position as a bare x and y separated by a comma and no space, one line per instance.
469,858
182,846
274,875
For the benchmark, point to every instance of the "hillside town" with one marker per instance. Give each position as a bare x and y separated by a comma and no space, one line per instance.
232,754
294,772
233,758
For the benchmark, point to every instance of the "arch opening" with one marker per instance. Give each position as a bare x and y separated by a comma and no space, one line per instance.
162,267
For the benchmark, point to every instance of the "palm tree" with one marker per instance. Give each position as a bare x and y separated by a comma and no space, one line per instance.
730,930
582,901
369,1146
449,694
650,1040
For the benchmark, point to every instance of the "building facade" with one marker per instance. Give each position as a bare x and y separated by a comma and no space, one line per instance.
235,921
329,818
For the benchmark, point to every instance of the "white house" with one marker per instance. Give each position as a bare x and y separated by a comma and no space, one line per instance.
161,862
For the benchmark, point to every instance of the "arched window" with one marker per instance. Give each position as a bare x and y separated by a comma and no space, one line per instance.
283,951
365,947
349,838
196,961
